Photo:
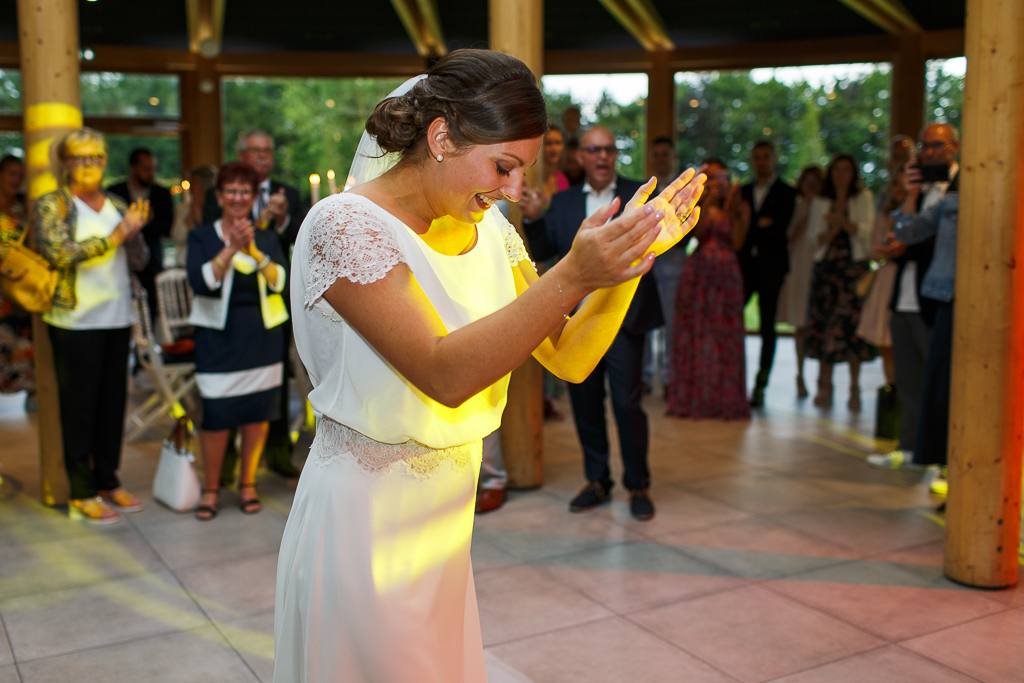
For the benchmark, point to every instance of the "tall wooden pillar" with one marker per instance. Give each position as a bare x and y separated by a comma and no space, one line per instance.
48,41
661,101
987,391
202,136
908,76
517,29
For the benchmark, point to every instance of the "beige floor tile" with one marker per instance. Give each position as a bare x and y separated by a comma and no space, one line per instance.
755,635
758,548
606,651
57,622
884,664
86,558
25,520
928,554
253,639
487,556
865,530
516,602
198,655
231,535
9,674
232,589
765,493
631,576
677,510
6,658
988,649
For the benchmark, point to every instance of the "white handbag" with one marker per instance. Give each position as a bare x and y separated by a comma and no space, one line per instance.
176,483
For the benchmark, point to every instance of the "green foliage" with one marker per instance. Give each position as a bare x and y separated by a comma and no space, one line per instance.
944,95
626,121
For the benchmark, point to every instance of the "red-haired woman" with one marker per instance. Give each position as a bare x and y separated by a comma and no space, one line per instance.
237,274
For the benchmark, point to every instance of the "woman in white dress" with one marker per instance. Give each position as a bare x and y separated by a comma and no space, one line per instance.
413,300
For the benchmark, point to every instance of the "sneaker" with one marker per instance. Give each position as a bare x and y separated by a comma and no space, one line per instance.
592,495
122,500
640,505
894,460
940,485
93,510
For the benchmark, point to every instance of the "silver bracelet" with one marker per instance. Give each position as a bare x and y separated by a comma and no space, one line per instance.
264,263
561,296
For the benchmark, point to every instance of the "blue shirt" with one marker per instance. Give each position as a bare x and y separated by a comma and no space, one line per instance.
939,221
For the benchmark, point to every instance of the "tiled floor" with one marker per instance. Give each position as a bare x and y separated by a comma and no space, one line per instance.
776,555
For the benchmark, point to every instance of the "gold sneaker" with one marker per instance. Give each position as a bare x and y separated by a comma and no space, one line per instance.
122,500
93,510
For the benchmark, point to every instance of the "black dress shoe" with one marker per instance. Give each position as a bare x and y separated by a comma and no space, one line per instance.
757,398
640,505
592,495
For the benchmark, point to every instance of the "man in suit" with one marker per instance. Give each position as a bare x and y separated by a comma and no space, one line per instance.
278,208
141,184
552,234
764,257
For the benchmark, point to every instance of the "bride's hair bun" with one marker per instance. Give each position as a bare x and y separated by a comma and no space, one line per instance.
485,97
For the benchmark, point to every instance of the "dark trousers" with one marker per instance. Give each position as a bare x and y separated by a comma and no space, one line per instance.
933,424
92,383
767,284
911,338
622,365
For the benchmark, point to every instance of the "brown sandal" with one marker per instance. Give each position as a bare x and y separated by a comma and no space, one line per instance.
205,513
252,505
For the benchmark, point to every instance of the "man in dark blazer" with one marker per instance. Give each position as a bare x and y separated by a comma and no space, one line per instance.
141,184
552,234
764,257
280,208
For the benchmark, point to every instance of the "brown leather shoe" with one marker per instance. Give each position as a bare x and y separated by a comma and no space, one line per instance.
489,499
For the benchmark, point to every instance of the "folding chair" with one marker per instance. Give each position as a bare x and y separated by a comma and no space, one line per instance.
172,382
173,301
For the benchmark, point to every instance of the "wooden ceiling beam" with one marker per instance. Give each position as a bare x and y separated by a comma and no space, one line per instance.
889,15
641,19
422,23
205,26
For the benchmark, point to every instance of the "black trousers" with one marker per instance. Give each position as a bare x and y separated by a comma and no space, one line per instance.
767,284
622,365
92,384
933,424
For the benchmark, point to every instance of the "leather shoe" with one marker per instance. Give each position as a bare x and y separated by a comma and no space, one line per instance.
640,505
757,398
590,496
489,499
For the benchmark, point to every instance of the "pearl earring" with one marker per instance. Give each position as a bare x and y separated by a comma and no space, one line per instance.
440,158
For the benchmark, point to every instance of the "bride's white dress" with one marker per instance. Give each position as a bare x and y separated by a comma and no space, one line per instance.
374,582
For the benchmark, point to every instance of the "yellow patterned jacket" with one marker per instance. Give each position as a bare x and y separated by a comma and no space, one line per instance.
55,217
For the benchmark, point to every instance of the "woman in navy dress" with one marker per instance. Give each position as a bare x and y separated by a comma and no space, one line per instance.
237,273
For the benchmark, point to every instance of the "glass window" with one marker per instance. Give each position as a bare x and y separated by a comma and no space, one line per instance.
944,90
166,150
108,94
10,91
316,123
810,113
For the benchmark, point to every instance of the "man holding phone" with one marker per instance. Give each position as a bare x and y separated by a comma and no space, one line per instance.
922,357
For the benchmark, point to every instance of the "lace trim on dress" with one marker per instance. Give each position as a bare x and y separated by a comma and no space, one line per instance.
348,239
335,442
514,247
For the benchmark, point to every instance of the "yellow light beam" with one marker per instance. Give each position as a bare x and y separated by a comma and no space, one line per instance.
641,19
421,22
889,15
205,26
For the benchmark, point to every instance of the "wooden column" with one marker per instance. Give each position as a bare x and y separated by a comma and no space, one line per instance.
987,404
907,114
202,136
661,102
517,29
48,43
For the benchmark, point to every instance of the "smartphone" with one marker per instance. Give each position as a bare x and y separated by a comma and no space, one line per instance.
933,173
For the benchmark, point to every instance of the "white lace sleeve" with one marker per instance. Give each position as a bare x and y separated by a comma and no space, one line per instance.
348,239
514,247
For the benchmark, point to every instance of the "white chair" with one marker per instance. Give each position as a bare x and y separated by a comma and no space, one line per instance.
173,301
172,382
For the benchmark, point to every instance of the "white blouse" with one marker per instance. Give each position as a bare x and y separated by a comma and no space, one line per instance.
360,395
860,209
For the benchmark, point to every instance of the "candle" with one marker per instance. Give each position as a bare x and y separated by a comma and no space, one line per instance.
330,181
314,187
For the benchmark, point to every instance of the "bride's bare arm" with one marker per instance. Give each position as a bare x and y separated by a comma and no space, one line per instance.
396,318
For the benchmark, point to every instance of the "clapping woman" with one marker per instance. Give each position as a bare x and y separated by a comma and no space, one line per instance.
237,274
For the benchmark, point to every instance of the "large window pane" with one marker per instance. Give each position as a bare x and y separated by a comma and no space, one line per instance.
615,101
10,91
108,94
167,151
12,143
810,113
316,123
944,90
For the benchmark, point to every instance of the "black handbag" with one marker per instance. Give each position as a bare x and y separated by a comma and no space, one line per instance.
887,413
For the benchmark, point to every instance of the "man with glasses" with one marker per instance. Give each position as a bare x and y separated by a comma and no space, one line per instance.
552,234
278,208
141,184
922,318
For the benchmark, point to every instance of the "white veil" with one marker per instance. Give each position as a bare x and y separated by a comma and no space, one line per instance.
370,161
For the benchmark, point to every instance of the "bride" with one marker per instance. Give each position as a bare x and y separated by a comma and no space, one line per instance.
413,300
